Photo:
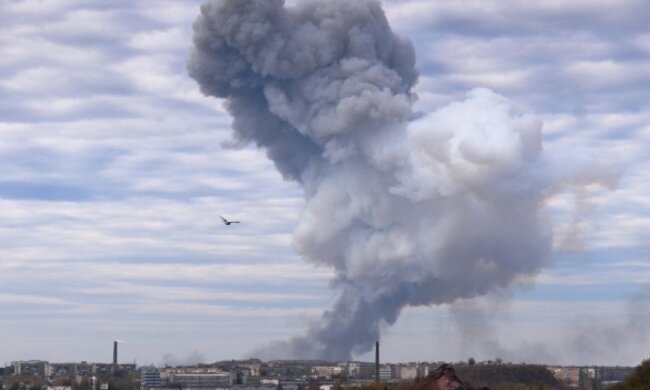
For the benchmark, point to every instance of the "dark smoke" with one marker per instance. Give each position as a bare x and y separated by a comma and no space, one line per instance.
406,211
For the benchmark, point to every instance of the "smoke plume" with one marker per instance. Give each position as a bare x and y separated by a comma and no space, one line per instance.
193,358
619,340
407,209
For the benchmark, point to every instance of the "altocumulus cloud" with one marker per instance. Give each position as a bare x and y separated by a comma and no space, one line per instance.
112,180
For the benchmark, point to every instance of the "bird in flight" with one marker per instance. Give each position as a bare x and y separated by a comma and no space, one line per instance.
227,222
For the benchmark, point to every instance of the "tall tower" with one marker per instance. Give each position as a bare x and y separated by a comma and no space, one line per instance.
377,361
115,356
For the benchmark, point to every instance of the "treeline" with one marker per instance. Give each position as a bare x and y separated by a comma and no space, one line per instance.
507,377
639,380
493,377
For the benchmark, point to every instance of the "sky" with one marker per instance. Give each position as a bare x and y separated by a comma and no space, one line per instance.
114,169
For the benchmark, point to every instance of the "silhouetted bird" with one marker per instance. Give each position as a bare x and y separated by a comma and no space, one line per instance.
227,222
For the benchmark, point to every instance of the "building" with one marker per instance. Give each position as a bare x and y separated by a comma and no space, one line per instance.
326,371
150,379
83,369
567,376
253,367
248,387
72,371
411,371
64,370
293,385
33,368
203,381
269,382
359,370
386,372
406,372
290,369
243,375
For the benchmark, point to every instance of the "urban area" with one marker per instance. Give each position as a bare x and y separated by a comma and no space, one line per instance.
254,374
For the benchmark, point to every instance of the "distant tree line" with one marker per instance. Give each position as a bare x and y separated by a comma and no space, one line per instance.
639,380
507,377
490,376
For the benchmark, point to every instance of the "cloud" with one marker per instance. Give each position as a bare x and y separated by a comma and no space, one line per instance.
489,18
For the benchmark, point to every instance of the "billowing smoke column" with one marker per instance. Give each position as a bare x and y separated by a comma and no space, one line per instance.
407,211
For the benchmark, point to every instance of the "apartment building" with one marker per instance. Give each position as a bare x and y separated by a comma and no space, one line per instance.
359,370
203,381
32,367
150,379
326,371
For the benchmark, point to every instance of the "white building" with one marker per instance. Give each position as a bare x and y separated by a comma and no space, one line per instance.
385,372
326,371
360,370
32,367
409,372
150,379
203,381
269,382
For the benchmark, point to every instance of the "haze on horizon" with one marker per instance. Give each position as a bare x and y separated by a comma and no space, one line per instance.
114,174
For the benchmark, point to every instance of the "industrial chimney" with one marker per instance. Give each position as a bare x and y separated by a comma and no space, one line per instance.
377,361
114,356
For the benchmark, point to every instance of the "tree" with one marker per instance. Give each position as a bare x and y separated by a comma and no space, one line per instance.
471,361
639,380
83,385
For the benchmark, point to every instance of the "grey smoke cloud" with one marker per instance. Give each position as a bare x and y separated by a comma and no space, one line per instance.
617,339
192,358
408,209
479,337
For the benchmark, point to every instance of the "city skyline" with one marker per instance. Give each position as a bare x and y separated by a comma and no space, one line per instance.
301,374
116,169
326,365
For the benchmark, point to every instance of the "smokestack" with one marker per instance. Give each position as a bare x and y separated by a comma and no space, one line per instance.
114,356
377,361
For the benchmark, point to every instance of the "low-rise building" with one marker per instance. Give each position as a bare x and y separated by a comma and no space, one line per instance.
269,382
411,371
359,370
386,372
32,367
203,381
293,385
250,387
150,379
326,371
568,376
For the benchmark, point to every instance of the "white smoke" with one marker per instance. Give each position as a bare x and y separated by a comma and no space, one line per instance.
407,211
